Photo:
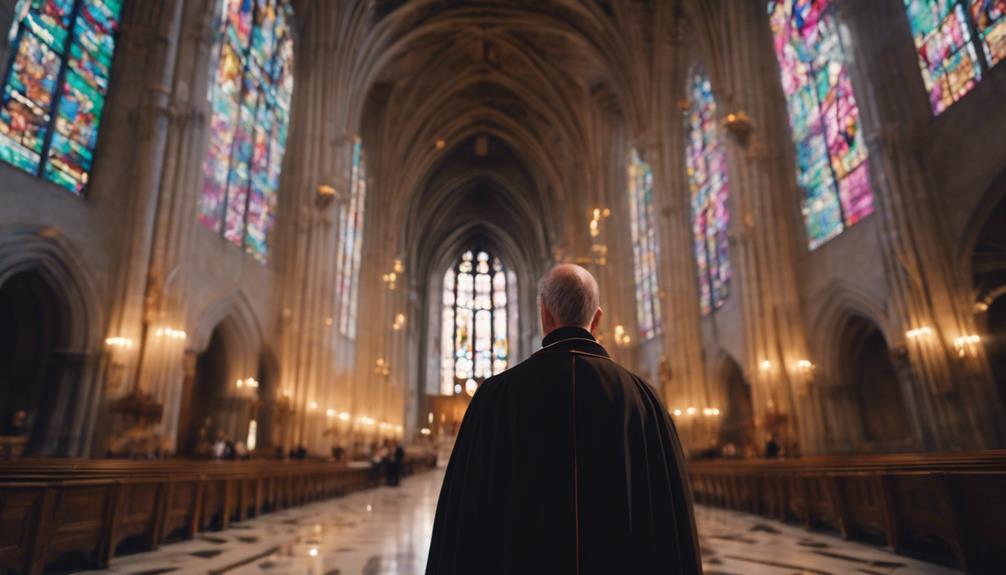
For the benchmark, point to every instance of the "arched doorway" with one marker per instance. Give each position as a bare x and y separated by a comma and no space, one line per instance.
870,372
33,335
738,418
212,375
988,269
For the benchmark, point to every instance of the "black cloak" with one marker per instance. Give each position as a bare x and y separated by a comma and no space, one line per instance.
565,464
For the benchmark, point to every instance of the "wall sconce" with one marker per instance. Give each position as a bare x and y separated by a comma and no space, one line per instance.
344,416
324,195
119,342
597,214
399,322
691,411
919,332
329,412
740,126
765,365
170,333
425,431
312,405
677,413
381,367
621,338
389,279
710,411
250,383
804,364
965,344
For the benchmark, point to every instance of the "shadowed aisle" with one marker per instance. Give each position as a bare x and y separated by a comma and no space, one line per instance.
387,532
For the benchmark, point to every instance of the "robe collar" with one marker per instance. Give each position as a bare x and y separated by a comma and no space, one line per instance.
572,339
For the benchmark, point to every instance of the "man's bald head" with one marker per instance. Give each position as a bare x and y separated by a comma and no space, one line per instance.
569,297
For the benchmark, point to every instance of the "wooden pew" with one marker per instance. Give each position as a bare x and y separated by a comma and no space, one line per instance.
946,507
66,513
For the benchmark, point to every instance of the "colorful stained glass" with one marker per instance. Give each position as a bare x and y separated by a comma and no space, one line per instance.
475,321
252,85
55,88
707,177
831,156
645,249
350,253
957,42
990,23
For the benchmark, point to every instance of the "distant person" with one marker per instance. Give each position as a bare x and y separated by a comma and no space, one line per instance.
566,463
772,448
395,464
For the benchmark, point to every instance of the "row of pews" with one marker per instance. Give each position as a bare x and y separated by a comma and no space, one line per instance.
945,507
64,513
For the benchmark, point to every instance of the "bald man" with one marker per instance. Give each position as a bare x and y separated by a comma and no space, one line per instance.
567,463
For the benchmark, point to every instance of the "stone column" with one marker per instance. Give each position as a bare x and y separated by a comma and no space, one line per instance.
683,357
763,214
157,25
316,163
954,396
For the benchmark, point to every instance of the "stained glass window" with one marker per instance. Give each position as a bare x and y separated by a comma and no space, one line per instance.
644,246
831,156
707,178
475,320
957,42
54,92
249,97
350,253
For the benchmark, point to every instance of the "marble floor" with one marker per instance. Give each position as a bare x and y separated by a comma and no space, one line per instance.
387,532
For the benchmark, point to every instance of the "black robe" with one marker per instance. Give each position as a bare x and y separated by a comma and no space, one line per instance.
565,464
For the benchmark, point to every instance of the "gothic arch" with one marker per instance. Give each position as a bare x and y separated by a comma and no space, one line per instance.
866,369
43,257
842,302
234,315
736,405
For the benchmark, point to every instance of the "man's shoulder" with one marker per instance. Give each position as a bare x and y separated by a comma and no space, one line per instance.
539,361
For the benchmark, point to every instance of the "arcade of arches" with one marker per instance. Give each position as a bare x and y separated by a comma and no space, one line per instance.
306,226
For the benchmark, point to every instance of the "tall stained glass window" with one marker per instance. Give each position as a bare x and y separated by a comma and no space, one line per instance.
55,87
350,254
957,42
707,178
831,157
250,91
644,245
474,323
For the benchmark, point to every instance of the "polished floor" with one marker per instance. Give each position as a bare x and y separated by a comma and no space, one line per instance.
387,532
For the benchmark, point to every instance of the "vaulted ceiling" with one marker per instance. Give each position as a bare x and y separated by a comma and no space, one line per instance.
485,110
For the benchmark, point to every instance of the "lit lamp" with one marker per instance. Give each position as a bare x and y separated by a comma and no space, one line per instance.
740,127
325,195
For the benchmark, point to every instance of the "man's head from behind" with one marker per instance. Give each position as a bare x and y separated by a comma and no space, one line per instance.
569,297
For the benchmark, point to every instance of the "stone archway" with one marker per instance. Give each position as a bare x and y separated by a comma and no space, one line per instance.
40,375
988,276
51,321
737,426
871,377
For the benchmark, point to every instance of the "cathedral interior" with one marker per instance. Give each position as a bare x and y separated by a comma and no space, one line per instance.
249,246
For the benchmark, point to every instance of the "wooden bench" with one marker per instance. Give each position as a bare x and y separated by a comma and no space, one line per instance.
66,513
946,507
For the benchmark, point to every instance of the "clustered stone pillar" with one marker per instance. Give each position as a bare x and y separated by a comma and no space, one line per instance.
762,188
156,27
308,231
